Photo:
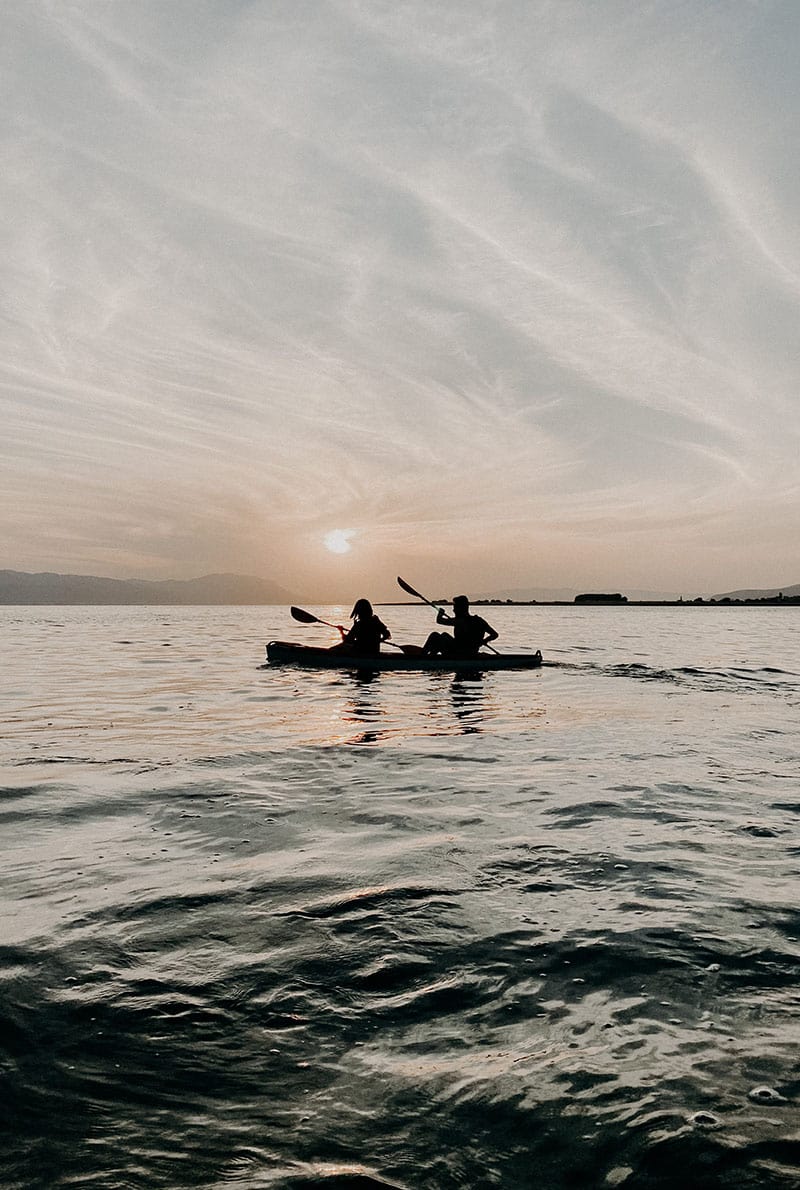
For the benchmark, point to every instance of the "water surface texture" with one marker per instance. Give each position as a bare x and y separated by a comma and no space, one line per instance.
273,928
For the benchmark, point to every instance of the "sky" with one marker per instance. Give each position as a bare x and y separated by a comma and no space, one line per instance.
499,295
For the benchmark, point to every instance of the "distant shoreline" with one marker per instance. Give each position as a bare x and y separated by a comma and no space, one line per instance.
772,601
787,601
50,589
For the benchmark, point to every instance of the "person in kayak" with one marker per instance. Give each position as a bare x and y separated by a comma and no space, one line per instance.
469,632
365,636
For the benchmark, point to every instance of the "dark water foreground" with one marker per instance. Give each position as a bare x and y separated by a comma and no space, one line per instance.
533,930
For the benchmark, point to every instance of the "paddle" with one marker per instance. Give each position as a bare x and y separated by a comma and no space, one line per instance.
297,613
410,590
304,617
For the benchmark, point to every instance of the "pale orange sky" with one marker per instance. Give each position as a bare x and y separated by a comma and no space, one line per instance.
508,292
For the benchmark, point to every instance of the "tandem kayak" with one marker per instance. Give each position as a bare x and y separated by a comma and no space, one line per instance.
281,652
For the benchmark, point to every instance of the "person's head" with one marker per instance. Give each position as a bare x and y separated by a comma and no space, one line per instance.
362,610
461,605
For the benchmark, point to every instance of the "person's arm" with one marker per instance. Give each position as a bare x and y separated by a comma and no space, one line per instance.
385,633
490,633
443,618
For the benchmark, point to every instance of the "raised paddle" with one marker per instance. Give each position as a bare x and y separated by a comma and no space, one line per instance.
408,588
304,617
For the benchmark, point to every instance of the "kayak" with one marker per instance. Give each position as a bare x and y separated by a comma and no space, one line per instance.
280,652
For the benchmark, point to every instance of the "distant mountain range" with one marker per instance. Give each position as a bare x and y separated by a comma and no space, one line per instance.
18,587
770,593
21,588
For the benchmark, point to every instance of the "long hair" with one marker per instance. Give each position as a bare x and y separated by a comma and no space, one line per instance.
362,610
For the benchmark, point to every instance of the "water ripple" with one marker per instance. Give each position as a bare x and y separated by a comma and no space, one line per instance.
265,929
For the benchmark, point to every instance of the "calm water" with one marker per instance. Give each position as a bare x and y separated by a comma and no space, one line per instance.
262,928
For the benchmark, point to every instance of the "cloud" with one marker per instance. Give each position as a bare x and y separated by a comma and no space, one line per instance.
475,288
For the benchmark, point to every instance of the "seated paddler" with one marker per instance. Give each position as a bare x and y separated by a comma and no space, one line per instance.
470,632
364,638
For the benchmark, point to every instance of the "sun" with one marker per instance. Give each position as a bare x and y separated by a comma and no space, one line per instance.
338,540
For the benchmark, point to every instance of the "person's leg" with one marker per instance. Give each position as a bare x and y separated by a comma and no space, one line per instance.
431,645
439,642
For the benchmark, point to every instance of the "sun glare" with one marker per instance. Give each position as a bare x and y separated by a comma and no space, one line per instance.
338,540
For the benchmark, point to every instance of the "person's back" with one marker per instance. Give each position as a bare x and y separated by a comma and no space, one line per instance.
364,638
470,632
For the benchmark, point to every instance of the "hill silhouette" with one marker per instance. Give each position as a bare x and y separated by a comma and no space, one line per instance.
769,593
18,587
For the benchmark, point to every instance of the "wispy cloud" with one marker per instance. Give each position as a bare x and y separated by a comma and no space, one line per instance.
499,294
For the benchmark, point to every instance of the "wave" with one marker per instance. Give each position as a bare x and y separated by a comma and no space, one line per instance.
767,679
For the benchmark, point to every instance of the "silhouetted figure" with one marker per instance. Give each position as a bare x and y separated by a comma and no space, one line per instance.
469,632
364,638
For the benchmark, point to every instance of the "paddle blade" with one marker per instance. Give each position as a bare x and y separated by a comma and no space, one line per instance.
410,590
297,613
409,650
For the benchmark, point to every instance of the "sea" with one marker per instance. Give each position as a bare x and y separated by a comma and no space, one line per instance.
271,928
